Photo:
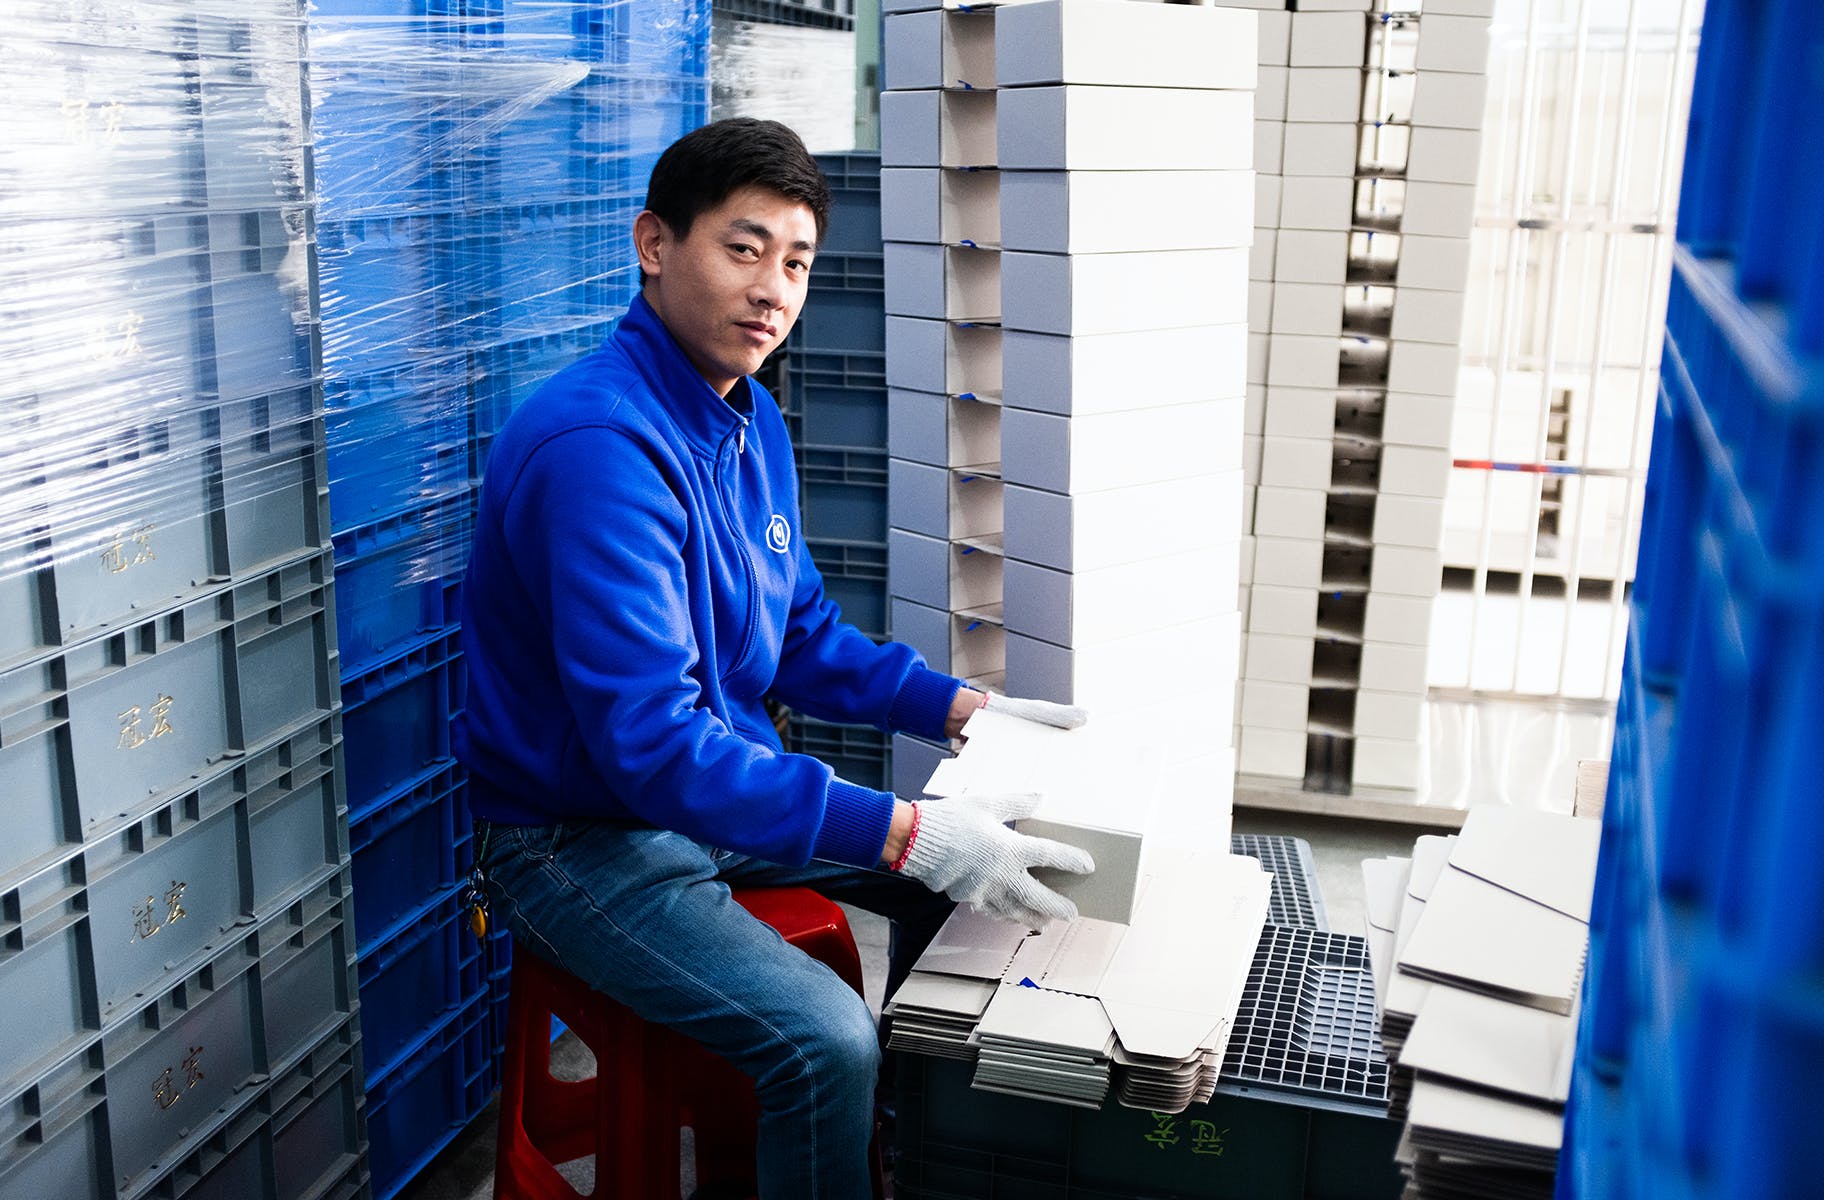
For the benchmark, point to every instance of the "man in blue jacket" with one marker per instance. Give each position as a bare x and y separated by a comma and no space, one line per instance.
638,585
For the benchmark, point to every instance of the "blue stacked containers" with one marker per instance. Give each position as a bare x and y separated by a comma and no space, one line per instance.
479,163
835,404
1703,1024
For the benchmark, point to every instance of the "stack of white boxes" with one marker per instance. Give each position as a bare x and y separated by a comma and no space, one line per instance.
1066,351
1362,323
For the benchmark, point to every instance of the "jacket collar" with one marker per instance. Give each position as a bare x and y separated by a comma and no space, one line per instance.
704,417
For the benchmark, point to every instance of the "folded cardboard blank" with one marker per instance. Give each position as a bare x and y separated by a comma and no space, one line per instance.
1100,529
1101,605
1113,450
1110,42
1123,293
1119,372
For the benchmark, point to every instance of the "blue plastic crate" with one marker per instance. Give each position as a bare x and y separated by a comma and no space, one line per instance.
856,753
836,399
396,437
1753,163
396,720
844,494
561,264
414,1110
854,203
399,580
391,286
413,981
855,577
408,851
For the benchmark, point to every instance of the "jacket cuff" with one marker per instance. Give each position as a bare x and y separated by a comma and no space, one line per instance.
923,704
855,824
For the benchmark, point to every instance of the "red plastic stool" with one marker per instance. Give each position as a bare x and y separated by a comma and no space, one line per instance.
650,1081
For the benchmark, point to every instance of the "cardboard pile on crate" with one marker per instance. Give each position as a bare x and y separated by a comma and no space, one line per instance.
1479,944
179,970
1066,379
1139,993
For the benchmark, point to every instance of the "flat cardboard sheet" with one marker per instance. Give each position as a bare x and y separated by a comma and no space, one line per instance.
1480,1040
1547,858
1476,935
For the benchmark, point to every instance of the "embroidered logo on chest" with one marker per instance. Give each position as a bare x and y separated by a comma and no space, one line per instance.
778,534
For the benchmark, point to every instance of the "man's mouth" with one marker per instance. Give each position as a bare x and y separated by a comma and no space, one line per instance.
760,327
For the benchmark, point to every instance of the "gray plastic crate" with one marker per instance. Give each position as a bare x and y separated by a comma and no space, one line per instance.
1294,899
178,1075
100,734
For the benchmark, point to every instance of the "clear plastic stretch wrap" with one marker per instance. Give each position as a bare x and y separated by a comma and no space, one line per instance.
802,75
478,167
158,407
250,251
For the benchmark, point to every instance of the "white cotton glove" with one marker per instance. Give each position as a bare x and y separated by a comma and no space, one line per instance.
963,849
1060,716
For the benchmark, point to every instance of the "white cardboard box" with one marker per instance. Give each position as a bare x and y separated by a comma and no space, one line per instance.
1296,462
1116,450
938,356
1329,39
1451,43
930,204
1266,200
1399,620
1406,571
1269,705
1257,359
1123,293
944,431
968,649
1414,471
1310,309
940,503
925,629
1185,661
1325,93
1289,512
1270,93
1269,147
1120,372
1439,209
937,129
1443,155
1092,212
1301,413
941,48
959,283
1310,256
1408,520
1087,607
1393,716
1427,368
1262,253
1106,42
1278,753
1387,764
1283,610
1313,202
942,574
1260,304
1122,129
1320,149
1439,263
1414,420
1388,667
1250,472
1294,360
1082,533
1424,315
1448,99
1288,562
1274,38
1254,416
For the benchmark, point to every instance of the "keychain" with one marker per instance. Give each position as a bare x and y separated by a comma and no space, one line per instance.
475,893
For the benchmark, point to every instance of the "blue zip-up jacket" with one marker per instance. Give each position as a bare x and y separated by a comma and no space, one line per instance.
638,583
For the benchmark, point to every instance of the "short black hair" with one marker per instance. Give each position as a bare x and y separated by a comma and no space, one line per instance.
705,166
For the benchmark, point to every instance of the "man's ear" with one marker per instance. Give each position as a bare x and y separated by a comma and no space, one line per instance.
650,234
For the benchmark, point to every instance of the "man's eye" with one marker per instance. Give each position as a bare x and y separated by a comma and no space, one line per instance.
798,264
743,248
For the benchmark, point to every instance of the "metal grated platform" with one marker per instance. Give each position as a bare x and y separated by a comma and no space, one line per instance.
1295,900
1306,1026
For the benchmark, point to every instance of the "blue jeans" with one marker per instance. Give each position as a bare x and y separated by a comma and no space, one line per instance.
645,916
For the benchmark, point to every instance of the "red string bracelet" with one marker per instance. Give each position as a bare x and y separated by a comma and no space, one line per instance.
911,837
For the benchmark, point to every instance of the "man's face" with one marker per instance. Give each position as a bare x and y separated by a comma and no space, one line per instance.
730,291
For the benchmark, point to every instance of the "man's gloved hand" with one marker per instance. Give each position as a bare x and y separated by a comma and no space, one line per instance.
961,847
1061,716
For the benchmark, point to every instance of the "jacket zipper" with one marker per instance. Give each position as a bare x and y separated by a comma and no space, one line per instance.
747,562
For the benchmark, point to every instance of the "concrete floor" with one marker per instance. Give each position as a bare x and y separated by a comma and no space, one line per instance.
465,1169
